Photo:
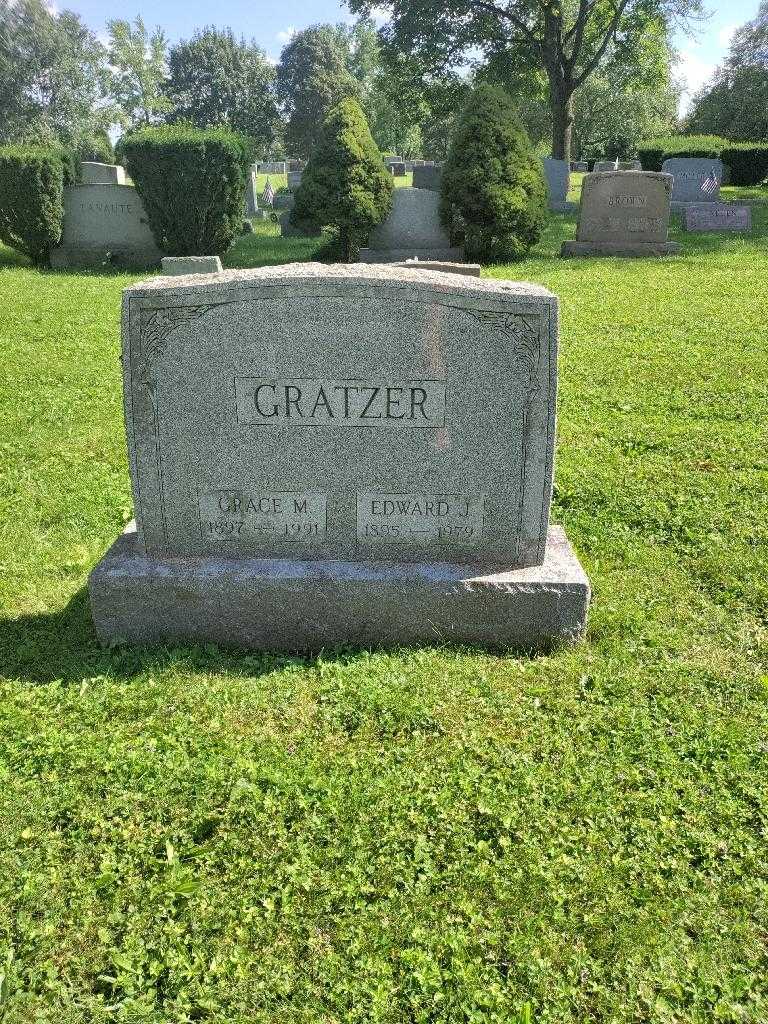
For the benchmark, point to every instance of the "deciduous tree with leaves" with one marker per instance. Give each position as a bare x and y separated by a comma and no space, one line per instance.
568,39
137,69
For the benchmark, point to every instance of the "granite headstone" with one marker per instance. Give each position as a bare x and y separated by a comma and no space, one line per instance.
92,173
623,213
325,455
696,180
428,176
717,217
105,224
557,175
412,229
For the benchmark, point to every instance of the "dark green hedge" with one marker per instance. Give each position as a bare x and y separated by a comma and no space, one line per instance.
32,180
493,196
192,183
748,162
654,152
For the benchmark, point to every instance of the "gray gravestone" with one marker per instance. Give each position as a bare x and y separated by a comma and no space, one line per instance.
294,179
696,180
623,213
717,217
283,201
398,170
180,266
101,174
630,165
288,230
428,176
251,196
272,167
105,223
556,173
325,455
580,165
605,165
412,229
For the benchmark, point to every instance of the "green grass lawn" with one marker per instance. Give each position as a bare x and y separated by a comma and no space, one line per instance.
425,836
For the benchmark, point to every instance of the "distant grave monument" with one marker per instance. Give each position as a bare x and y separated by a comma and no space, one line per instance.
412,229
251,195
398,170
105,224
557,177
696,180
717,217
581,166
325,455
630,165
92,173
605,165
294,179
272,167
428,176
623,213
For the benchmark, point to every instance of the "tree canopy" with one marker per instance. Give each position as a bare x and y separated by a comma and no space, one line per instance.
735,103
567,41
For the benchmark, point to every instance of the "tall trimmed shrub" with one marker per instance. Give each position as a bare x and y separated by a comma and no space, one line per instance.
345,185
192,183
32,180
653,152
493,197
747,161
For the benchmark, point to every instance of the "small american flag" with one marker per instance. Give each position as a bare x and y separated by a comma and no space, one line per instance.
710,185
268,195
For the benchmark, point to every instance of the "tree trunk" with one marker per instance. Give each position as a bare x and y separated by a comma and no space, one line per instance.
561,104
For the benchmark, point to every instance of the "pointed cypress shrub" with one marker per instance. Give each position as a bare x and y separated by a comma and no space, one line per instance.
493,196
345,185
192,183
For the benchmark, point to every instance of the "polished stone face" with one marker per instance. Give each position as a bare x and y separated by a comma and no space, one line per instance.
619,206
341,412
556,173
717,217
428,176
695,180
105,220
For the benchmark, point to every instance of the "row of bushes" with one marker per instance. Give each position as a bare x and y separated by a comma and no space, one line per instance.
191,183
746,161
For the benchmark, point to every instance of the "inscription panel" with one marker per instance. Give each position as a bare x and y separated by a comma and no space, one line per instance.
427,520
238,516
303,402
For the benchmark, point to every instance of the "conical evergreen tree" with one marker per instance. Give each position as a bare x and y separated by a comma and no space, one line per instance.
345,184
494,197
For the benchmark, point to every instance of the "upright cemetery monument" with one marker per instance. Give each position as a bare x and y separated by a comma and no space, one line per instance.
696,180
412,230
557,176
623,213
325,455
104,222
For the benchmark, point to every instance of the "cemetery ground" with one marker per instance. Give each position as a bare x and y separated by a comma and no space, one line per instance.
189,834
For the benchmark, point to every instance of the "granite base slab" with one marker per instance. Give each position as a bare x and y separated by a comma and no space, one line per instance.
455,254
627,249
307,606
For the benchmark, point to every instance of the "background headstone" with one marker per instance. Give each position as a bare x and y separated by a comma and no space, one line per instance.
180,266
272,167
696,180
630,165
605,165
251,195
581,166
623,213
294,179
428,176
412,229
556,173
717,217
398,170
283,201
340,454
105,223
92,173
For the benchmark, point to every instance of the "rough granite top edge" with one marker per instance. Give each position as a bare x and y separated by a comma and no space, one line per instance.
288,273
626,175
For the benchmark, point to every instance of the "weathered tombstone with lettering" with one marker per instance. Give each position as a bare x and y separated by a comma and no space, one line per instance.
696,180
717,217
105,224
412,230
325,455
623,213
